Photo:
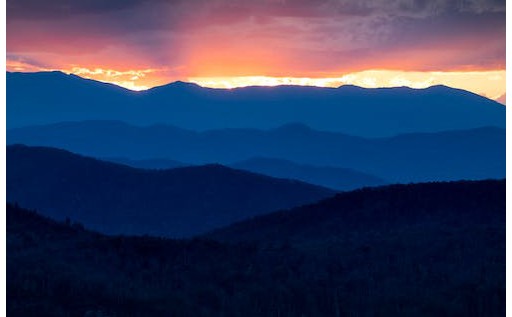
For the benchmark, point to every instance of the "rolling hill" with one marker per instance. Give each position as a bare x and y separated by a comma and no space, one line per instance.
119,199
51,97
156,163
411,250
418,157
331,177
411,208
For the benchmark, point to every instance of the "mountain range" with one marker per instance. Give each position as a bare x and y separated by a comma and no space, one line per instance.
417,157
258,201
118,199
404,250
51,97
331,177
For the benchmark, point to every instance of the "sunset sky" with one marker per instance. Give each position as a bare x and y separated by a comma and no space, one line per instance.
228,43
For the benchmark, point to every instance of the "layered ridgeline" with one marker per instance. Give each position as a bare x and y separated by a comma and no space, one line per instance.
116,198
450,155
50,97
412,250
373,213
156,163
332,177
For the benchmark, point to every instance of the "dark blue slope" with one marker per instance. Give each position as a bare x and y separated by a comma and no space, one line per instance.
331,177
34,98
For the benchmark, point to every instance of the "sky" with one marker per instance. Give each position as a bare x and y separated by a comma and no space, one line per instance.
140,44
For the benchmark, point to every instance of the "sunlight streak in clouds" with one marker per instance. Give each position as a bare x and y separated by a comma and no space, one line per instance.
231,43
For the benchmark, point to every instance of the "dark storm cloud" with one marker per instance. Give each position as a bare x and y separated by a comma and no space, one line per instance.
52,9
123,16
55,9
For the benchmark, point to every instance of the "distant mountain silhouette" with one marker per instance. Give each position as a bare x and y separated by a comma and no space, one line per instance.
42,98
449,155
412,250
332,177
115,198
380,209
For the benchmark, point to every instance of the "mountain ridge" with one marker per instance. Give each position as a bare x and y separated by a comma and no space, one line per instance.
180,202
338,178
182,83
39,98
410,157
458,203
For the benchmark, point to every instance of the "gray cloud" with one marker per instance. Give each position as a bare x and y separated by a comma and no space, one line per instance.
54,9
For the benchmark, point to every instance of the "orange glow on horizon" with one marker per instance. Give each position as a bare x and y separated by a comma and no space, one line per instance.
491,84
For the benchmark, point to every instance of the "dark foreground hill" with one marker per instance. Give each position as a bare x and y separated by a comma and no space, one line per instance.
371,211
115,198
50,97
446,257
419,157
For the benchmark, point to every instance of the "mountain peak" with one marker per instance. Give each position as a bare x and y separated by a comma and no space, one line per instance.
294,127
444,87
181,85
351,87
